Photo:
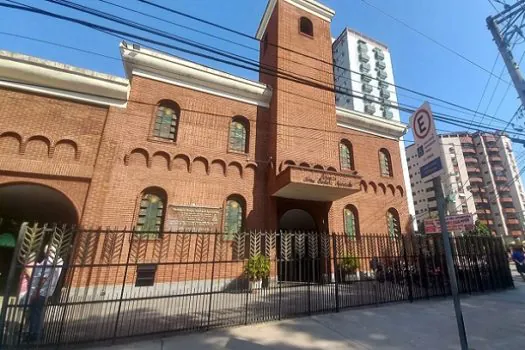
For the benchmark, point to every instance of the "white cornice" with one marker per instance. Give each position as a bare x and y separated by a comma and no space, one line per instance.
172,70
36,75
310,6
369,124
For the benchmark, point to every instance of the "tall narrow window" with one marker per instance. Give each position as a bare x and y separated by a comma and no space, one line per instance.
351,221
234,215
239,135
346,155
167,120
393,224
306,26
385,163
151,211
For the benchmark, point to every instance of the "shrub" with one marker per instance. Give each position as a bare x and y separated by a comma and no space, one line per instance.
257,268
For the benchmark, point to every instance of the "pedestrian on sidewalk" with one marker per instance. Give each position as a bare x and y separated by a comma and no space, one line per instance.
45,278
519,259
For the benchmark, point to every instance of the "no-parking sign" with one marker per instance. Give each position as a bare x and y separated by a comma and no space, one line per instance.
427,142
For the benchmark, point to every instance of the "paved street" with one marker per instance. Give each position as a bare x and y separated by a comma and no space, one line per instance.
493,321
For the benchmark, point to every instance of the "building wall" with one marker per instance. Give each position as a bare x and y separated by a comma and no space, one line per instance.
49,141
197,169
481,170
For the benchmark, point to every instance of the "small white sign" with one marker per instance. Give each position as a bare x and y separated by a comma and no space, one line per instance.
427,143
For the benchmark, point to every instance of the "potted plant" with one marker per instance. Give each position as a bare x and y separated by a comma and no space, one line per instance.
348,266
257,268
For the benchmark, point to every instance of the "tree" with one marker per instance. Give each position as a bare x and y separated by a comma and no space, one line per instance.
480,229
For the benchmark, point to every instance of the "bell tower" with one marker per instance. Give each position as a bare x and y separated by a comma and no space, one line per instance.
296,41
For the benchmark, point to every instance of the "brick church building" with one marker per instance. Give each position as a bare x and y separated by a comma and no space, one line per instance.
180,146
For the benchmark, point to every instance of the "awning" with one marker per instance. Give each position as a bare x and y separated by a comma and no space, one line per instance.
7,240
314,184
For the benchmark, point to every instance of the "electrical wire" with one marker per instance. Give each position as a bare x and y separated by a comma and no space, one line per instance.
449,119
329,63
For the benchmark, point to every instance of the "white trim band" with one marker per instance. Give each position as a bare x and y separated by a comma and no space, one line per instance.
172,70
56,79
369,124
310,6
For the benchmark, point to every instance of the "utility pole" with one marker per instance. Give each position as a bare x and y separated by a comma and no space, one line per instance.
504,28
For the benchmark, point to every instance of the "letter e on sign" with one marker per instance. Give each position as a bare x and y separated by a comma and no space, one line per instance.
422,123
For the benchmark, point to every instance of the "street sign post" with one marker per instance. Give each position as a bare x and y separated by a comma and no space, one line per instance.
429,154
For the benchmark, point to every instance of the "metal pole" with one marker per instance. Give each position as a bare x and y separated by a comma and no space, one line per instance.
440,198
10,279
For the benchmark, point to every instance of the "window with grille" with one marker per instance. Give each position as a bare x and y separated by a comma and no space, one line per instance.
166,121
393,224
233,215
145,275
239,135
351,222
346,155
385,164
151,211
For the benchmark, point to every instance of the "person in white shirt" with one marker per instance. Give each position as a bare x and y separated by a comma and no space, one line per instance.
45,279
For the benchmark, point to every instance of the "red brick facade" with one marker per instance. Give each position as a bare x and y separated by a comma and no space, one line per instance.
102,158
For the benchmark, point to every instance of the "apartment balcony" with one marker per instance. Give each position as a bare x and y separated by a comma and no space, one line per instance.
476,179
471,160
509,210
512,221
500,178
489,138
516,233
467,151
479,200
503,188
494,158
505,200
498,167
473,170
487,222
492,149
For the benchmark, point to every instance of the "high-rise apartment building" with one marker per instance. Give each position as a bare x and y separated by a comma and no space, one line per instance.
482,176
364,83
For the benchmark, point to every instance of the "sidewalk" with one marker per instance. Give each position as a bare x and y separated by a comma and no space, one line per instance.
493,321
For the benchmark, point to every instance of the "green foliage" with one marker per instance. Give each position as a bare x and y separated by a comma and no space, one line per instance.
349,264
480,229
257,268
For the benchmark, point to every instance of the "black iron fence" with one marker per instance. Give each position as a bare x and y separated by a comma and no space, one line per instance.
113,284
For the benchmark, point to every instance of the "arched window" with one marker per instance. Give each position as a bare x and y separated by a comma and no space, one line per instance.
393,224
239,135
167,120
234,212
151,210
346,155
385,163
351,220
306,26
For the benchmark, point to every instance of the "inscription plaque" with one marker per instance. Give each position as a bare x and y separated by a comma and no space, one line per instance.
193,218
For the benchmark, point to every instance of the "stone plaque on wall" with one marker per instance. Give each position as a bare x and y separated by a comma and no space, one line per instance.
193,219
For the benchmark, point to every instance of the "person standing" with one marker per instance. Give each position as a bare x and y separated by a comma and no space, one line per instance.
519,259
45,278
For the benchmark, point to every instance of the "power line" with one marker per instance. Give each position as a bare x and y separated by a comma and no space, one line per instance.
449,119
331,64
433,40
180,25
484,91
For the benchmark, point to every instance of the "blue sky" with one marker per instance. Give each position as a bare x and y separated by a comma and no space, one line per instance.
418,63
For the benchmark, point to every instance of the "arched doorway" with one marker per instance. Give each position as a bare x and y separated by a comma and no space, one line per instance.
297,219
28,202
297,230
